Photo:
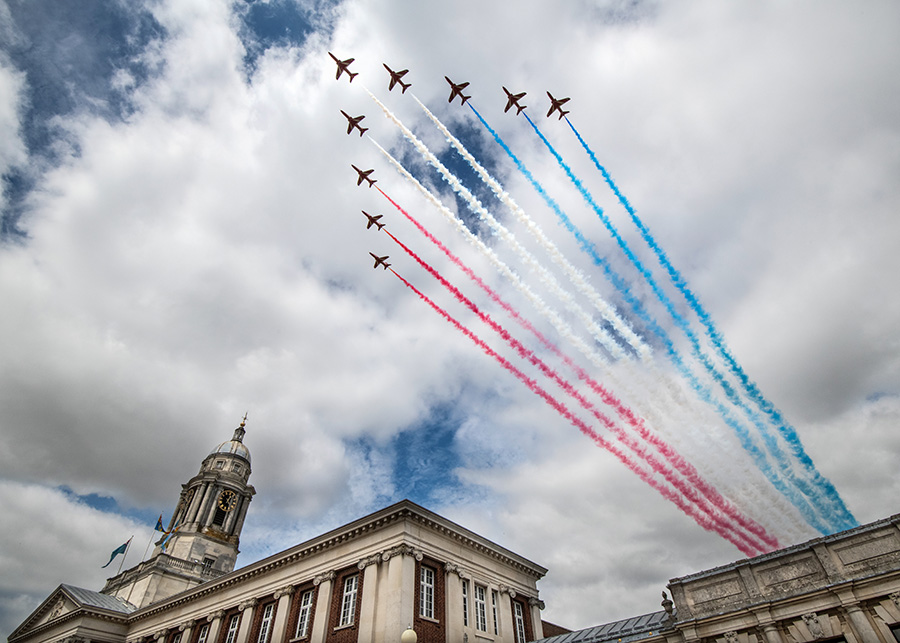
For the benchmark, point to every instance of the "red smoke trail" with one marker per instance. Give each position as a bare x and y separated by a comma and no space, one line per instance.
635,423
534,387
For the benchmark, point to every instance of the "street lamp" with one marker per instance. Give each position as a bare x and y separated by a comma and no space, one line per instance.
409,636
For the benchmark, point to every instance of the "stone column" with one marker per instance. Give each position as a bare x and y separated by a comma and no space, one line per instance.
766,623
191,515
323,607
537,628
861,625
507,624
247,609
453,603
186,630
215,624
368,569
208,510
398,607
245,504
283,596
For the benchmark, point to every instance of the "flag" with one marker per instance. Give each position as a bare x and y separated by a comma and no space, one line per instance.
168,535
118,550
159,525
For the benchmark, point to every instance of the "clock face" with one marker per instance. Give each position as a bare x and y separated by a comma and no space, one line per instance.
227,500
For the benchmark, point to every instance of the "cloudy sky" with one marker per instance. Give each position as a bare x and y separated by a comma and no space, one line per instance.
182,242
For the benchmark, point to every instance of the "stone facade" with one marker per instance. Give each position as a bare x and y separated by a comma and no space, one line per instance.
261,603
843,587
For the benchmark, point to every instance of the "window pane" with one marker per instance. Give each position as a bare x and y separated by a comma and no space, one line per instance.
203,633
348,602
232,628
266,623
480,609
426,592
305,610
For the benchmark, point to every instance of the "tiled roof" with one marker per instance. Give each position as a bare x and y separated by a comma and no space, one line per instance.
90,598
630,629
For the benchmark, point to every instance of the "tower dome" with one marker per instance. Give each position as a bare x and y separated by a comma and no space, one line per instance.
234,446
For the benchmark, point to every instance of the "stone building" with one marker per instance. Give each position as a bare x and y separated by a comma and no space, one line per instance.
843,587
405,567
371,580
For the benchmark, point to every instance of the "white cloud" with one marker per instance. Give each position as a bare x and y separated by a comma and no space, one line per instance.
208,257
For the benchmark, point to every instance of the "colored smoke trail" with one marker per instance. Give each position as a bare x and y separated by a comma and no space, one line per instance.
825,501
552,316
718,342
716,505
676,460
606,309
747,443
667,493
599,333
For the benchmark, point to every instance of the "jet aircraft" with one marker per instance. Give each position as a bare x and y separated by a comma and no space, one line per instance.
556,104
395,78
513,99
364,175
354,122
343,66
456,90
380,261
373,221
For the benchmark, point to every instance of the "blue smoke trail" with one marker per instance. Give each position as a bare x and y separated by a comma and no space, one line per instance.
759,457
782,426
821,492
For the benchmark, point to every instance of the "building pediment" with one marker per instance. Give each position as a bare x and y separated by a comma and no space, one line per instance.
68,602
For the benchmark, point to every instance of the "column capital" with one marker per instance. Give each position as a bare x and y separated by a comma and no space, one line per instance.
187,625
248,604
506,589
327,576
402,550
215,615
374,559
532,601
453,568
287,590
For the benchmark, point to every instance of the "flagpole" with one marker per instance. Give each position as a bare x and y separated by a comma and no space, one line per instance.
125,555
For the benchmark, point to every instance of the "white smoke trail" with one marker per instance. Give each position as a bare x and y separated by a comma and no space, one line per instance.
606,309
552,316
601,334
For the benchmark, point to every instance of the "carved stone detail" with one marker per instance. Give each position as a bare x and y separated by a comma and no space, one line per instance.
811,620
58,608
731,637
896,598
536,601
215,615
402,550
453,568
506,589
287,590
374,559
247,604
186,625
321,578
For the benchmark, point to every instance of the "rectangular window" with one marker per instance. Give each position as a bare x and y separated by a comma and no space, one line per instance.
348,601
303,616
494,611
266,625
177,637
204,632
426,592
480,609
520,622
465,593
233,628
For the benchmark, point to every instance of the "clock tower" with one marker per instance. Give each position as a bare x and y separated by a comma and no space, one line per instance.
202,538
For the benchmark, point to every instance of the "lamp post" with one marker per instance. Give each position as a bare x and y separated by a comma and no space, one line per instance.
409,636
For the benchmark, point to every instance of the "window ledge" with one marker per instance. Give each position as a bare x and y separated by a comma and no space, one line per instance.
428,619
